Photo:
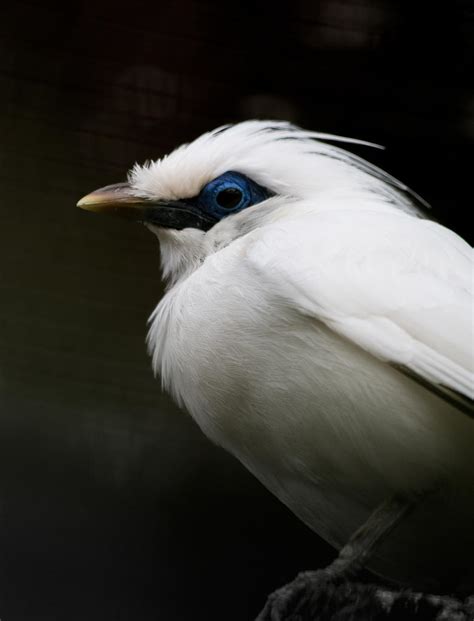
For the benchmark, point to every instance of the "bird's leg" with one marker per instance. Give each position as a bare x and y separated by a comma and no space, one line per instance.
375,529
283,602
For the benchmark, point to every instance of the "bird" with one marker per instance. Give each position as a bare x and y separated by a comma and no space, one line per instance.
318,325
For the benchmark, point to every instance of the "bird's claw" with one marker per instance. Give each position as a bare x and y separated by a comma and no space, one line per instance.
285,602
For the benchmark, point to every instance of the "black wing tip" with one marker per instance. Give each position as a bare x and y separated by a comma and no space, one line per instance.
457,399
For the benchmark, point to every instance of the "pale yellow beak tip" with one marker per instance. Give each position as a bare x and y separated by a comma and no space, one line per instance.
108,199
116,199
85,202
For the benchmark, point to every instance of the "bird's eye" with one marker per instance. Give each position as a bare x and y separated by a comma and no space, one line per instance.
229,193
229,198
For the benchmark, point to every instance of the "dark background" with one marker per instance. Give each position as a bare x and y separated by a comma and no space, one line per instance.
112,504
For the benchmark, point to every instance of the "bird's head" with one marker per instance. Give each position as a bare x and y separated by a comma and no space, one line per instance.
232,180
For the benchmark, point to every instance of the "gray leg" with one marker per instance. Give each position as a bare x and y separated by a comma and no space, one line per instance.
351,558
378,526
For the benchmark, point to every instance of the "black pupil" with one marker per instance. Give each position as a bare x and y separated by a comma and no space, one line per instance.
229,198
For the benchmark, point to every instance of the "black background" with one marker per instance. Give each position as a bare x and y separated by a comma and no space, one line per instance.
112,504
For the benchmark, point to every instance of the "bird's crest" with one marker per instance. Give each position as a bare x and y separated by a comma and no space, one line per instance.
281,156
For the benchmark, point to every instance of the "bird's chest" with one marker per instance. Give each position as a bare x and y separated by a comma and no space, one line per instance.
260,381
218,348
258,377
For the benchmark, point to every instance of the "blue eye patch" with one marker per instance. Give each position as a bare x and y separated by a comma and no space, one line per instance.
229,193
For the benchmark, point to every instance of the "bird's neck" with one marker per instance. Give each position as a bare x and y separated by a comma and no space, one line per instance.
182,252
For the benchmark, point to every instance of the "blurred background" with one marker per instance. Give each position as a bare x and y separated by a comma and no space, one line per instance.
113,506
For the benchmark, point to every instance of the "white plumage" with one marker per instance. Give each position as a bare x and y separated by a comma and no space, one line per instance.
293,332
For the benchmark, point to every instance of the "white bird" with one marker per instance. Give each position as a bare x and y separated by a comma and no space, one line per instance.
319,328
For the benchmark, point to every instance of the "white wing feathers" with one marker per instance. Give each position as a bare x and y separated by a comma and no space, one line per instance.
398,286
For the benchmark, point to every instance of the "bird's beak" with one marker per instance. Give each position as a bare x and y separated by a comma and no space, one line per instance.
118,199
114,199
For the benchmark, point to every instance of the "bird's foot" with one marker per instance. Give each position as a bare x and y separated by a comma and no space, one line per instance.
289,601
336,593
327,596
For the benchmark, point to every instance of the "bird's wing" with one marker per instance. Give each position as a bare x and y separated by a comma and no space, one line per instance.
397,286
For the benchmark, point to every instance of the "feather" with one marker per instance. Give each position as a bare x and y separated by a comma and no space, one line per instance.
386,282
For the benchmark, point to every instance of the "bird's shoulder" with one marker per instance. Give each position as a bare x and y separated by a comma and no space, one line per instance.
396,285
347,237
